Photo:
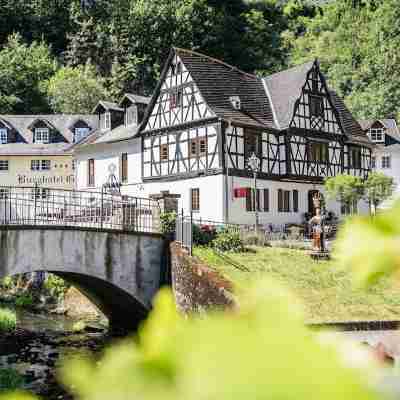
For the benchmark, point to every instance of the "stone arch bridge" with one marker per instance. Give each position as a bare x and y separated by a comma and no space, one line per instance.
107,245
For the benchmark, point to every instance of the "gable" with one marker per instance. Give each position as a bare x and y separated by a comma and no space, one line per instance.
314,109
178,100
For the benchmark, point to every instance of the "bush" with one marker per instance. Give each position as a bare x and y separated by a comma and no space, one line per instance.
55,286
228,240
78,326
253,239
10,380
7,283
8,320
203,235
24,301
168,220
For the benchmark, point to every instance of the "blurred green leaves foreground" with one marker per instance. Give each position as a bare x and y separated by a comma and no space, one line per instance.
370,246
262,351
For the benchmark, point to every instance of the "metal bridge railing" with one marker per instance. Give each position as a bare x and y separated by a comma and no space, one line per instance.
48,206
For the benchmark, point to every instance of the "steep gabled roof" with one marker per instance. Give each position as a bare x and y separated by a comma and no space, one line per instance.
217,81
352,128
283,90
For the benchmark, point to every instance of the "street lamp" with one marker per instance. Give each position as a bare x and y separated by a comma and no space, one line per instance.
253,163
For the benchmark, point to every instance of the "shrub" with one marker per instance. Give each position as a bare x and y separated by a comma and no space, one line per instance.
253,239
228,240
8,320
24,300
10,380
78,326
168,220
7,283
203,235
55,286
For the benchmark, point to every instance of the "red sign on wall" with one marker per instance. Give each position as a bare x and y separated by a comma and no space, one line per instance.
239,192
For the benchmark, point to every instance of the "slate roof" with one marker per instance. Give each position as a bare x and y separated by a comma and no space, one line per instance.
108,105
283,89
62,134
217,81
134,98
392,137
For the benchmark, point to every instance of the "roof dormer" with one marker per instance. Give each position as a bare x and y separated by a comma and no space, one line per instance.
5,132
80,129
110,115
377,132
134,107
41,129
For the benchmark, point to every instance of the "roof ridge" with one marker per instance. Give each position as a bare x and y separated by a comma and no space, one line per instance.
216,60
288,69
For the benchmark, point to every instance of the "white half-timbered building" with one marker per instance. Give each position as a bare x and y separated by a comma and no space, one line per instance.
206,118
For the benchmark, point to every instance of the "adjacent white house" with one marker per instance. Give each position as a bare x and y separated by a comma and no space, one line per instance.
385,134
203,122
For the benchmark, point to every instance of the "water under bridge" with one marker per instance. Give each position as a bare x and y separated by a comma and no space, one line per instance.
107,245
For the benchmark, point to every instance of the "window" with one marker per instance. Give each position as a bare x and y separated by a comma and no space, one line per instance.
295,200
178,68
175,98
45,164
41,135
124,167
198,147
266,200
3,165
373,162
355,157
250,144
318,152
4,193
106,121
80,133
386,162
130,115
164,152
195,200
3,136
91,172
283,200
250,203
377,135
73,165
40,193
316,106
37,165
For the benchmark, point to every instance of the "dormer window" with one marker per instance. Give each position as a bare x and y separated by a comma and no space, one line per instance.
106,121
3,136
80,133
130,115
235,101
377,135
41,135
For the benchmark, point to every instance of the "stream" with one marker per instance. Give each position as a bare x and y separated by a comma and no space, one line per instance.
39,345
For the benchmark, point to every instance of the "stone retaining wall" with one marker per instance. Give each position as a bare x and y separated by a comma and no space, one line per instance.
196,286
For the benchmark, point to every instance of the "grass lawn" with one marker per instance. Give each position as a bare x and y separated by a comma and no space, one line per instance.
324,287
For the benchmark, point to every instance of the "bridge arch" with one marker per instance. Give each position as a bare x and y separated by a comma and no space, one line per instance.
119,271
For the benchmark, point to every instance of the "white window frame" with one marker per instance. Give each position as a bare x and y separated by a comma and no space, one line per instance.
107,121
386,162
377,135
40,165
80,133
4,165
3,136
42,135
4,193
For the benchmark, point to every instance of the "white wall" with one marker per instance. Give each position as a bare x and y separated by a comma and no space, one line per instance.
237,206
104,155
211,194
394,171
